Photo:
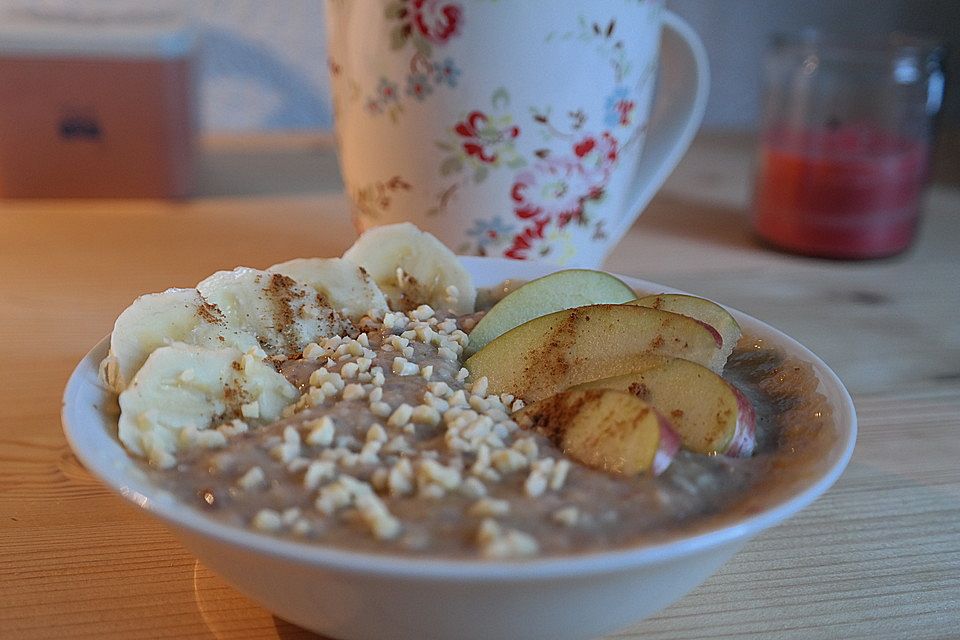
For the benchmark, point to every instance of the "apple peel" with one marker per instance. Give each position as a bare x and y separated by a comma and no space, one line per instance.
554,352
718,320
605,429
745,438
709,413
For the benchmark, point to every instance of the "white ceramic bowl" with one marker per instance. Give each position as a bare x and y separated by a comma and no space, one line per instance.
354,595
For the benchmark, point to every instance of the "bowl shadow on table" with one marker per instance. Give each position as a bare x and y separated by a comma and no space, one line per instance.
289,631
707,223
227,613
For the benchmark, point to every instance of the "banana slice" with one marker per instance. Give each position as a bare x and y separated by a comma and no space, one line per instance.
412,267
343,285
156,319
182,390
284,315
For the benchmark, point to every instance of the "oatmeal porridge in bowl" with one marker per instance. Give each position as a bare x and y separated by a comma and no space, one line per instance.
365,454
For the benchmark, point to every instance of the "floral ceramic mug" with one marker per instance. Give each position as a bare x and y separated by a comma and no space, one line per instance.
528,129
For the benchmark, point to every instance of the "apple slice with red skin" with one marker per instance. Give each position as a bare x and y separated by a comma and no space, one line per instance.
708,413
725,327
554,352
605,429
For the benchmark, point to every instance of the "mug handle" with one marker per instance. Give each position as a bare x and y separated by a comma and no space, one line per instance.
681,98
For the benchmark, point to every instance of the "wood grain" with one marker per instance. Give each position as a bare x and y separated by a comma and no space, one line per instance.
877,557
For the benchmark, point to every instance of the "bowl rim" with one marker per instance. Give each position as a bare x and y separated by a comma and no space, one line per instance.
87,429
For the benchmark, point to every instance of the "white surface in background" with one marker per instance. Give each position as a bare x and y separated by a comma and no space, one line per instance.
264,62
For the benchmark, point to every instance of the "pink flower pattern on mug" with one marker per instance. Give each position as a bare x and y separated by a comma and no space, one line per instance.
597,155
373,199
418,85
551,193
386,97
481,141
489,235
446,73
481,137
542,241
436,20
525,242
553,188
619,108
424,24
558,188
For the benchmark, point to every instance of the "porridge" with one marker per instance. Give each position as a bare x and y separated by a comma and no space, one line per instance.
376,438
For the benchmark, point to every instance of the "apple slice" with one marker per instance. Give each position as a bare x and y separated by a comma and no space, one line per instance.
710,313
554,352
708,413
605,429
555,292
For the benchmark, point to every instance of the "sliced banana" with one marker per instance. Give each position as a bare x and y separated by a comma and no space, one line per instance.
344,286
283,314
156,319
412,267
182,390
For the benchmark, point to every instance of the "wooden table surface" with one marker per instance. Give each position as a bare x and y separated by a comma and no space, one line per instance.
877,557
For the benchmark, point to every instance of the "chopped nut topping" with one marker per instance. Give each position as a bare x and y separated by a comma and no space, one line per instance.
432,472
508,460
479,387
354,392
317,472
422,431
424,312
400,478
380,409
535,484
370,453
566,516
497,542
289,516
252,479
313,352
376,433
301,528
250,409
473,487
558,476
375,514
233,428
424,414
321,431
488,507
267,520
400,416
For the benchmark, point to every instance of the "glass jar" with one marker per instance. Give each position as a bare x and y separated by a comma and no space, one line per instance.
844,142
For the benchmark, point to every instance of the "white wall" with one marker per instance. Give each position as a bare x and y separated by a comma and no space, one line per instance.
263,61
263,64
735,33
